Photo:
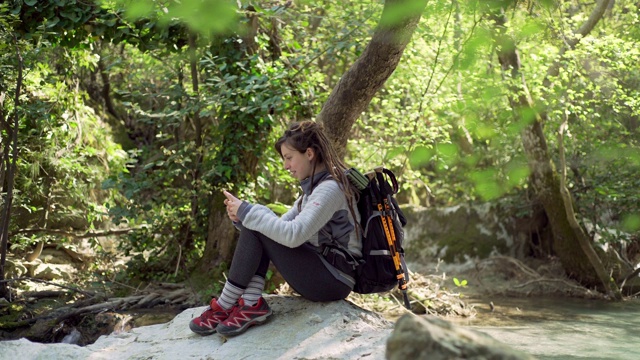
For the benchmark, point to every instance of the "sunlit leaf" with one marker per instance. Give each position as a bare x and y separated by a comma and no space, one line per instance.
398,11
420,157
486,184
528,115
532,27
631,222
278,208
447,151
472,48
203,16
517,173
138,9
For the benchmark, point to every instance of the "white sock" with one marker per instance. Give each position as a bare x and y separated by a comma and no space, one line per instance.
230,295
253,292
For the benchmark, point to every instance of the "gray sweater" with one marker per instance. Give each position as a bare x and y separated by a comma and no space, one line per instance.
324,216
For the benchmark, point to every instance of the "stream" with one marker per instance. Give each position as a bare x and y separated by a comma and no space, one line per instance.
560,328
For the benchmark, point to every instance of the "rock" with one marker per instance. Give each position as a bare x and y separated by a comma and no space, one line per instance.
51,271
428,337
298,329
14,269
454,233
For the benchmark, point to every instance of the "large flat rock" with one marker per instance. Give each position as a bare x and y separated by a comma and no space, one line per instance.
298,329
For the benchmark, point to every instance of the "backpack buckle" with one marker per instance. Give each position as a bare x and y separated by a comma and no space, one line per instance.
325,251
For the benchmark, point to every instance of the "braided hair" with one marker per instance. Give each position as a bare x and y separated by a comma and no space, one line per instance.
309,134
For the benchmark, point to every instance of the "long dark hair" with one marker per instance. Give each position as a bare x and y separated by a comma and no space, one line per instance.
309,134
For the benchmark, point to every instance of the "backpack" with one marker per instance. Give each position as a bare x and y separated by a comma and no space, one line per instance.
382,265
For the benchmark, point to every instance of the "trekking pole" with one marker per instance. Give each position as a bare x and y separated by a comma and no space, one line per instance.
387,224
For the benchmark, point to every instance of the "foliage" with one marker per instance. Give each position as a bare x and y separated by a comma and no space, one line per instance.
442,96
237,96
459,283
147,24
64,148
454,148
119,75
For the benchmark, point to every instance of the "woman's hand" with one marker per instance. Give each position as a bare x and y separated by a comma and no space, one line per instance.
233,204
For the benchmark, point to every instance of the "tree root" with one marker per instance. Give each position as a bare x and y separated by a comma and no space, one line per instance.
87,293
169,295
522,280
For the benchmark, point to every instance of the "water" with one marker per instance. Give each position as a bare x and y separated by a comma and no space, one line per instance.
72,338
563,328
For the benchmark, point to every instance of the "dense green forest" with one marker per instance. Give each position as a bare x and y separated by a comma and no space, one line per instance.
126,119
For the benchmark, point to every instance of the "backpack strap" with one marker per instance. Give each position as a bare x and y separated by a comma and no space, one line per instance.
336,245
374,213
394,181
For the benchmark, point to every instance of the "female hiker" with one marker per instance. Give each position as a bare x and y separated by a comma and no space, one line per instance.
302,243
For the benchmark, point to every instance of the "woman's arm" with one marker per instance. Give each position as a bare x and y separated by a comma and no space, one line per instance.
293,212
326,199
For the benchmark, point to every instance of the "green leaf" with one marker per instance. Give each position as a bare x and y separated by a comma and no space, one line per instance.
278,208
631,222
486,183
420,157
459,283
53,22
197,15
398,12
532,28
138,9
517,173
448,153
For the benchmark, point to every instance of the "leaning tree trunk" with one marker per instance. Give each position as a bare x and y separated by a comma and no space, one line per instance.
571,244
353,93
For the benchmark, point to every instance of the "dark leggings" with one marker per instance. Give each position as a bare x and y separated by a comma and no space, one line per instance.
301,267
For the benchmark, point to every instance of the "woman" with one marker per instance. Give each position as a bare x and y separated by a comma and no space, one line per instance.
312,245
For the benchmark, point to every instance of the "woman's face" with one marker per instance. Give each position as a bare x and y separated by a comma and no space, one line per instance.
298,164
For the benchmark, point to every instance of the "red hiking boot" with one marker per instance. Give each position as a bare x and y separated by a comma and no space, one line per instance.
206,323
243,317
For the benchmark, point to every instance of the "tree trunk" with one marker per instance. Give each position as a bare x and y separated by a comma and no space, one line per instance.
460,133
353,93
221,234
221,237
5,217
196,122
570,242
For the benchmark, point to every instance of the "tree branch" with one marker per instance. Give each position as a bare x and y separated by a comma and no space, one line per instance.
353,93
88,234
578,35
626,278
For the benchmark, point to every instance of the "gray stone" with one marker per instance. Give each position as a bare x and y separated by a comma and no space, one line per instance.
429,337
